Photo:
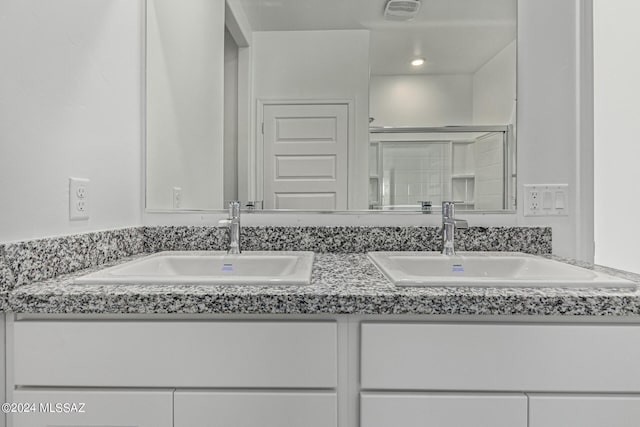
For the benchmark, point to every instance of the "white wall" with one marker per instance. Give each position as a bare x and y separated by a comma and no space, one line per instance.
421,100
320,65
238,26
70,90
548,109
494,89
185,85
617,150
486,97
230,178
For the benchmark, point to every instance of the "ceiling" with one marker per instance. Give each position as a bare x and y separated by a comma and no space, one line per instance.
454,36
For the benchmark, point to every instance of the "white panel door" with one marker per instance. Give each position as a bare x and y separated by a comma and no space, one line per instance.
89,408
584,411
305,156
255,409
443,410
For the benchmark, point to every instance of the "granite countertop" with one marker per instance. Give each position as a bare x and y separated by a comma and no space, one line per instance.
340,284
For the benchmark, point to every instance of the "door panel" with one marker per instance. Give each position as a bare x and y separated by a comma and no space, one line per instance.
443,410
501,357
306,129
306,167
87,353
305,201
584,411
255,409
305,156
114,408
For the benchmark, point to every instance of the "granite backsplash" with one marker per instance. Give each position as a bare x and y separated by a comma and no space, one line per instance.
36,260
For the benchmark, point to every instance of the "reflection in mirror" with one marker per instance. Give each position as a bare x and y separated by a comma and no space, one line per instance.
418,168
184,81
318,96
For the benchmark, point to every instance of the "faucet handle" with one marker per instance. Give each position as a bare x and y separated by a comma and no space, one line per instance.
426,206
252,205
234,209
448,207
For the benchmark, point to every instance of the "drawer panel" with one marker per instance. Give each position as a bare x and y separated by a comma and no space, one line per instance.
584,411
117,408
176,354
260,409
443,410
584,358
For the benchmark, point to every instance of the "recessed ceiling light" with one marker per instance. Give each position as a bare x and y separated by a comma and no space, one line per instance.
417,62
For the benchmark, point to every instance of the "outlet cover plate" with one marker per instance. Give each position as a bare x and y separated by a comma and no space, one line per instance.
78,199
546,200
177,197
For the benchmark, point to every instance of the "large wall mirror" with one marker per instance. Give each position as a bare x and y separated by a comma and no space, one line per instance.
331,105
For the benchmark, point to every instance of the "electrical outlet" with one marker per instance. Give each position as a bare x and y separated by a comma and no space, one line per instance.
78,199
81,191
546,200
177,197
534,200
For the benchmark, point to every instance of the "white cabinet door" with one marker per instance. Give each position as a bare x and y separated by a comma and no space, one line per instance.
584,411
168,354
80,408
501,357
443,410
305,156
255,409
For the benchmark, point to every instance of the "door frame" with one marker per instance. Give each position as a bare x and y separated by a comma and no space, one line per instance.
256,150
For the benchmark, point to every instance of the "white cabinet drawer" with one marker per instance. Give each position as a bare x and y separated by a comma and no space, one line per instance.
259,409
443,410
584,411
176,354
101,408
501,357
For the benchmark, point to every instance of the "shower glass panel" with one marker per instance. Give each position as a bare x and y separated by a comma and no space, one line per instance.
414,172
466,164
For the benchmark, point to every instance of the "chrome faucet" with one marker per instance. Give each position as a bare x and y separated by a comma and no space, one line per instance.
449,224
233,222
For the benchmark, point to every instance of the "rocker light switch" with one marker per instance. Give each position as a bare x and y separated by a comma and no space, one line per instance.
559,200
546,200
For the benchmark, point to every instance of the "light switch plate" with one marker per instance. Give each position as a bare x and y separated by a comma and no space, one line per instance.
546,200
78,199
177,197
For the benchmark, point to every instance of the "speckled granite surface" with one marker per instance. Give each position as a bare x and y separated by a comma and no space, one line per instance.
42,259
534,240
341,284
7,280
37,276
31,261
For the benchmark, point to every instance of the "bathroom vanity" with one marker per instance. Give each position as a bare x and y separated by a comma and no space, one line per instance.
327,371
348,350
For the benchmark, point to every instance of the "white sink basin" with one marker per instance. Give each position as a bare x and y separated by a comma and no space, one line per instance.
488,269
209,268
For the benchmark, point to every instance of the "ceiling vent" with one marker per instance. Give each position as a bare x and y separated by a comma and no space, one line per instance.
401,10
